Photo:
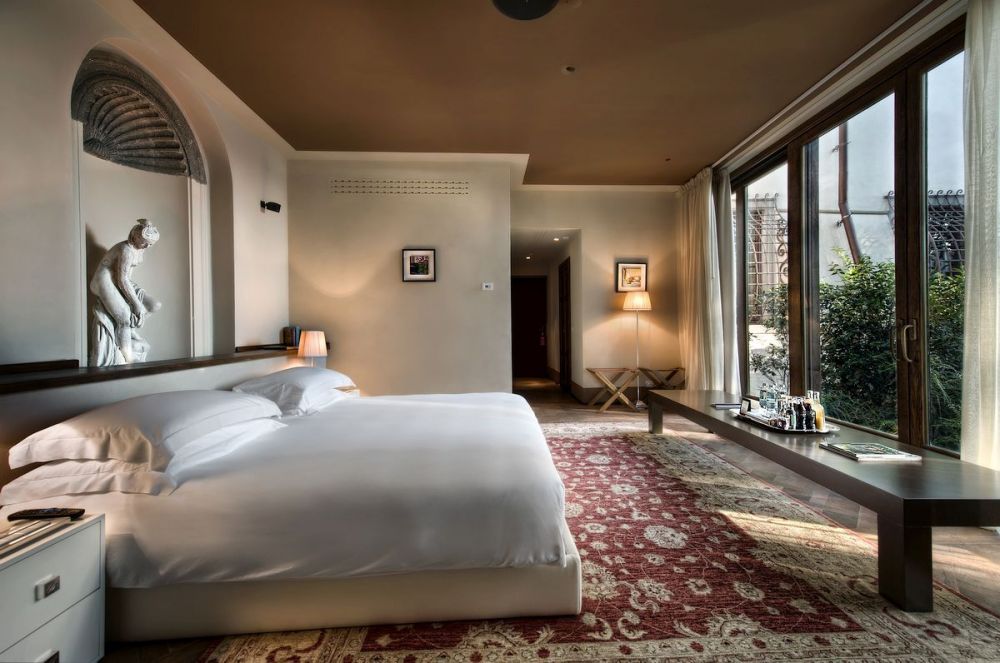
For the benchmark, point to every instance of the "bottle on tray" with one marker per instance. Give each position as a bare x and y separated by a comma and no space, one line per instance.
800,413
810,417
817,406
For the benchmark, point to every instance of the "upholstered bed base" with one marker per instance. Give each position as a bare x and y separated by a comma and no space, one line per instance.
192,610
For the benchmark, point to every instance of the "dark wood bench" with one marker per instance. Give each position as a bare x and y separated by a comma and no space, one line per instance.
909,498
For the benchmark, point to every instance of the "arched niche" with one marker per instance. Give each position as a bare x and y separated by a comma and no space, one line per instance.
135,112
128,119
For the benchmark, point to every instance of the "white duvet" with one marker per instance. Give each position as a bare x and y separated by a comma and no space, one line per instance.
369,486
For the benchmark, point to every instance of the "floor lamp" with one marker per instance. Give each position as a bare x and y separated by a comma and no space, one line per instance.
637,301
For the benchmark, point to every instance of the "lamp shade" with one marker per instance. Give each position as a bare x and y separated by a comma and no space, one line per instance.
636,301
312,344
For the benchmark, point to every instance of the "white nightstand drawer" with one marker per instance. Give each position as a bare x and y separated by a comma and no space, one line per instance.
72,637
67,570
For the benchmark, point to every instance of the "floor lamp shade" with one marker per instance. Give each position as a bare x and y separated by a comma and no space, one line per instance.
637,301
312,344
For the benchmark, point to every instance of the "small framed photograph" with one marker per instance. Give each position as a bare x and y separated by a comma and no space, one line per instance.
419,265
631,276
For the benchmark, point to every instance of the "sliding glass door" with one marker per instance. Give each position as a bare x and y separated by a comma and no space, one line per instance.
942,209
851,271
854,253
764,207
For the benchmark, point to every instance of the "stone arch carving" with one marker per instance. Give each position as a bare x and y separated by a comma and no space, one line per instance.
130,120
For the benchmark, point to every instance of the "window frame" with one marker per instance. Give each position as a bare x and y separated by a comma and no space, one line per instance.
919,370
903,78
738,185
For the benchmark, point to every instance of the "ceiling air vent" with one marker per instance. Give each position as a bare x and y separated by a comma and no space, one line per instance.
378,187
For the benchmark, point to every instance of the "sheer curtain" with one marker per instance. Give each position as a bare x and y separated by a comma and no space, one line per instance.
981,370
728,282
700,298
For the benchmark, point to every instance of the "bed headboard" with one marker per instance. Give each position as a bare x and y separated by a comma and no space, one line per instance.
21,414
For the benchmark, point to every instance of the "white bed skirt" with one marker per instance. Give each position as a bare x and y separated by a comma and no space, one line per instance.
204,609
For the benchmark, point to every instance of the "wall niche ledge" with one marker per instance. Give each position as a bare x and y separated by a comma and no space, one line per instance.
20,380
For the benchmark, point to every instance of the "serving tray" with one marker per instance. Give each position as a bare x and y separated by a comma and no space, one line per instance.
764,424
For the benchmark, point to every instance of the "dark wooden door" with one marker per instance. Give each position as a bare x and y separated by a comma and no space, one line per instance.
565,345
529,311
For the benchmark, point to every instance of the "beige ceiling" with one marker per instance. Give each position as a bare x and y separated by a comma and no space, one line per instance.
655,79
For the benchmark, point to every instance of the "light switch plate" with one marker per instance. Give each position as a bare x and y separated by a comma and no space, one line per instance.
487,285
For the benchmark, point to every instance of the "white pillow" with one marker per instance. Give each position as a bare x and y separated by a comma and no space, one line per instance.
219,443
80,477
147,429
301,390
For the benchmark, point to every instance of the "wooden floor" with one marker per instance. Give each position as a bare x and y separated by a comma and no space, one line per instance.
965,559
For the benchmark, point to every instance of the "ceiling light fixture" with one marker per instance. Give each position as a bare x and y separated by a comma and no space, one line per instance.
555,239
527,257
569,69
525,10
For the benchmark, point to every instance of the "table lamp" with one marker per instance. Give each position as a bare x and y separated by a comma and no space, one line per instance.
312,345
637,301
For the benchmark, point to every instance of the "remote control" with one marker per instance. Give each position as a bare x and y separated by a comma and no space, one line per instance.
46,514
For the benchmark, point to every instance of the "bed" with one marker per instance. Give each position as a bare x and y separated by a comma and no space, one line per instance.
376,510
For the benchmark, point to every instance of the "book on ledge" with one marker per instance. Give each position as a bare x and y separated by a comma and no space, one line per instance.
867,451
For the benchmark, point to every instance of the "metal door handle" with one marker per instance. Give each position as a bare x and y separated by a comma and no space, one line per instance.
907,332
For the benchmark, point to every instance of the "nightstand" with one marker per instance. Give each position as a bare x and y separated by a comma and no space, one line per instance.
52,597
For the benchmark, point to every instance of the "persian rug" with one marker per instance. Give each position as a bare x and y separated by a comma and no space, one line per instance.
685,557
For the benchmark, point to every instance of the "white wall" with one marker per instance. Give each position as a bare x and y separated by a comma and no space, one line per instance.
260,239
39,252
42,43
614,225
345,262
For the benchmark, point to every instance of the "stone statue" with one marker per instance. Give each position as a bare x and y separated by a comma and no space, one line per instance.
121,306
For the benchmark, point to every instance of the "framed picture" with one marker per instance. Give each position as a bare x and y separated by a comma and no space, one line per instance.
631,277
419,265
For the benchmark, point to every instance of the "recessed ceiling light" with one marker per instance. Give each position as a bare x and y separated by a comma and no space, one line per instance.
555,239
527,257
667,159
569,69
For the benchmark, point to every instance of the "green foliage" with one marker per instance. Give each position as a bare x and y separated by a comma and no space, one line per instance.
857,321
945,331
857,325
773,364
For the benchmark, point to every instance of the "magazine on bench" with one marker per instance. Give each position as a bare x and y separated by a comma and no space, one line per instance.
868,451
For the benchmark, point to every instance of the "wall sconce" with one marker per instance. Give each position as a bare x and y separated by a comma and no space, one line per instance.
270,206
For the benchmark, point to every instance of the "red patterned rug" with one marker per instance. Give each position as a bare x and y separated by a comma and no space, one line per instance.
684,557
